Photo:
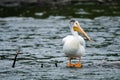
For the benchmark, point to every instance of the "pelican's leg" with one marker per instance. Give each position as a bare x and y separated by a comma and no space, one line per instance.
78,64
70,63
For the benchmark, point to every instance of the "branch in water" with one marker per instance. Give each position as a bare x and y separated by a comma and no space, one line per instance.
15,58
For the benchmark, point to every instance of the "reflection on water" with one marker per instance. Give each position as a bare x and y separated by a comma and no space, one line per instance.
40,42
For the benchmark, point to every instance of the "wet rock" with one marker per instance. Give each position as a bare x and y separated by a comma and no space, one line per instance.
112,64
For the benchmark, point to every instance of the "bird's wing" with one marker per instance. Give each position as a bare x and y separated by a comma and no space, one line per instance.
66,38
82,41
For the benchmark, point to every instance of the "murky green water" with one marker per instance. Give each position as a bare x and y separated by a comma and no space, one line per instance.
39,32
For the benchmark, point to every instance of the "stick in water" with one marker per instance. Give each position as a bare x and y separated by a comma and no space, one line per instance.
15,58
56,64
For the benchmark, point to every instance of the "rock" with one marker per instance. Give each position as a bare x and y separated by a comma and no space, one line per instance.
113,64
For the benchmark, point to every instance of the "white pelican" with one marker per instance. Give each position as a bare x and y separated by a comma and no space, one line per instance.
74,45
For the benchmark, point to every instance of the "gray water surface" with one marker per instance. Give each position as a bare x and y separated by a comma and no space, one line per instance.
40,41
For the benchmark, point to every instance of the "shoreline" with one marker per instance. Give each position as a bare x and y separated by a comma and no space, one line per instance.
43,3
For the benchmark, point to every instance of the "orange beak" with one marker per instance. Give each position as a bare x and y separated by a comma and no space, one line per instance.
80,30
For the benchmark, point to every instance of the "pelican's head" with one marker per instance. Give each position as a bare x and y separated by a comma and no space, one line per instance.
75,26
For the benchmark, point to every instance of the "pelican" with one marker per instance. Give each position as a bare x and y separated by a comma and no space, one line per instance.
74,45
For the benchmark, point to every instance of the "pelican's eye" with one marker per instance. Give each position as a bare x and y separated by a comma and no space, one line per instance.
76,24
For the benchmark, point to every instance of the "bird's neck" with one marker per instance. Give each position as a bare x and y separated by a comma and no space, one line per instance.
75,33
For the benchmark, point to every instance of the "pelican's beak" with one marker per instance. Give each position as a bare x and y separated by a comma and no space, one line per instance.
80,30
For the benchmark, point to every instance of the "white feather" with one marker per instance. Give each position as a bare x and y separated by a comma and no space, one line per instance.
74,46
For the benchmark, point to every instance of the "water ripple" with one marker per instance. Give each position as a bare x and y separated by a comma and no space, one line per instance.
41,43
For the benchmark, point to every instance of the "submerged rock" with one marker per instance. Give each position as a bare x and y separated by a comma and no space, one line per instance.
108,64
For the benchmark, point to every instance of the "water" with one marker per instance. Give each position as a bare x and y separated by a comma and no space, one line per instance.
39,35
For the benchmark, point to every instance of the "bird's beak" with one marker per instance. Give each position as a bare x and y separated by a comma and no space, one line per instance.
80,30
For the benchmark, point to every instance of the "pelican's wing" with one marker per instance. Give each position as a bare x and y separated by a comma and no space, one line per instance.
82,41
65,38
69,37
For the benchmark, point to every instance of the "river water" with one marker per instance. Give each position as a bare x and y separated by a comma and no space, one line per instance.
38,32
